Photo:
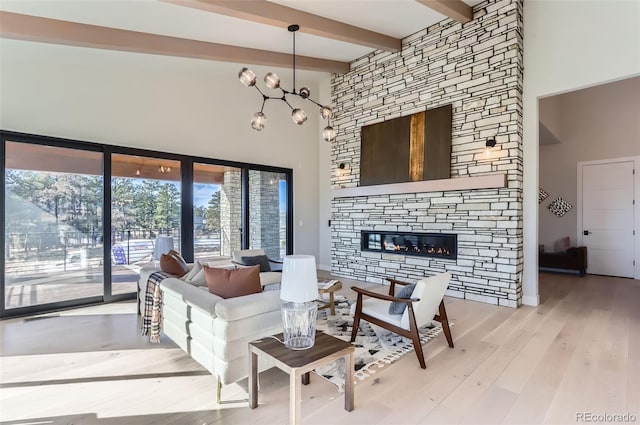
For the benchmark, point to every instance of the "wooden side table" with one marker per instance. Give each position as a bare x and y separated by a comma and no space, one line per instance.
337,285
298,364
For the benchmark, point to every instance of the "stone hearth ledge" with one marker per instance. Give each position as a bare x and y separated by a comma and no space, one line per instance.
487,181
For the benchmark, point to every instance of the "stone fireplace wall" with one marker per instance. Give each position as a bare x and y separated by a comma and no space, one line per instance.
477,67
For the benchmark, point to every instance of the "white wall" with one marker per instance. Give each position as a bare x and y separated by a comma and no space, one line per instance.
324,184
596,123
550,119
161,103
568,45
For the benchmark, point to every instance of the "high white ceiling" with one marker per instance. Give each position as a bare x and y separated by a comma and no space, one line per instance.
396,18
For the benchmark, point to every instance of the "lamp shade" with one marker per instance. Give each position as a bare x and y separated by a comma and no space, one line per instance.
163,245
299,282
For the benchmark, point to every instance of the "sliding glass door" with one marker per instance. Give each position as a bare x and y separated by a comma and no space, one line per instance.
217,211
53,225
145,206
268,212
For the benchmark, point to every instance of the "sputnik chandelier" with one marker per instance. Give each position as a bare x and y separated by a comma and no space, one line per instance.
272,81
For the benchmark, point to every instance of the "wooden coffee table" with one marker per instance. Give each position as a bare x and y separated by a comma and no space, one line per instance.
298,364
337,285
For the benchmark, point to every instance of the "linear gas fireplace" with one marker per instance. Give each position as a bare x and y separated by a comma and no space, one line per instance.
439,245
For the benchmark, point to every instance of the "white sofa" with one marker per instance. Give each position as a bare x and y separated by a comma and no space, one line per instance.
269,280
215,331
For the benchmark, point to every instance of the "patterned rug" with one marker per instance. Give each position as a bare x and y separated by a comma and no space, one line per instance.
375,347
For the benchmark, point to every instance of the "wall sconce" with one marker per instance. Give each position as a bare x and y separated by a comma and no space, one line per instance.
487,148
164,170
341,170
138,172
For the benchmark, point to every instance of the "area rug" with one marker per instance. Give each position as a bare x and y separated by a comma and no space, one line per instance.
375,347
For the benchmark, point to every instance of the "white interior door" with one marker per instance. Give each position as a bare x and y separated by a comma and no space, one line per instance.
607,218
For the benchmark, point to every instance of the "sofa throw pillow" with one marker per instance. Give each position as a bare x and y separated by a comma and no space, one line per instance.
230,283
562,244
199,279
397,307
180,260
257,260
174,265
178,256
193,272
195,275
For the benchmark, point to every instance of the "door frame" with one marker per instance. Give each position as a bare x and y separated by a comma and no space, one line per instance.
636,210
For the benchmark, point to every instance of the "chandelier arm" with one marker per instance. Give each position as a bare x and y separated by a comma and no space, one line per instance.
264,100
313,101
288,104
260,91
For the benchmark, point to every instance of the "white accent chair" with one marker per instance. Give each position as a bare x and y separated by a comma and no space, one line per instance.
266,278
422,308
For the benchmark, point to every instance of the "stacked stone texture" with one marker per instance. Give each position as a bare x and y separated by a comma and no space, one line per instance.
230,220
264,212
476,67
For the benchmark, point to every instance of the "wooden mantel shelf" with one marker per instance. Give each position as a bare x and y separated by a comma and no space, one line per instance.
489,181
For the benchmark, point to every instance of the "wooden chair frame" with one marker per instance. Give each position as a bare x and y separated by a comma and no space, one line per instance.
412,332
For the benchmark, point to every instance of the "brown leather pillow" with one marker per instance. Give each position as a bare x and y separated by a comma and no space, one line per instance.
230,283
174,264
177,255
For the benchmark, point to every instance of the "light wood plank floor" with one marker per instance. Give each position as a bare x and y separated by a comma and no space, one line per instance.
579,351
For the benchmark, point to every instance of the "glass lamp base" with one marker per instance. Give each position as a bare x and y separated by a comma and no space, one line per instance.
299,322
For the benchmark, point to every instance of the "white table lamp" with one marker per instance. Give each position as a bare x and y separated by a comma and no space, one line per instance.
163,245
299,291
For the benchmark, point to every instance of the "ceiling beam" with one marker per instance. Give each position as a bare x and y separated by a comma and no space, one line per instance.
268,13
45,30
454,9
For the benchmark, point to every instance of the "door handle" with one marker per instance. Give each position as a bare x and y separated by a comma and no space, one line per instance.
586,232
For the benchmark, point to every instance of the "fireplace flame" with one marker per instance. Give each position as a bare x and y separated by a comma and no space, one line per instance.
411,245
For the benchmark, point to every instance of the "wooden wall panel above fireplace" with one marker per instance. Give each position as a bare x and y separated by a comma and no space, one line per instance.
412,148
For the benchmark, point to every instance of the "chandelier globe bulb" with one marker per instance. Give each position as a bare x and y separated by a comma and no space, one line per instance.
304,92
329,134
326,112
258,121
299,116
247,77
272,80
